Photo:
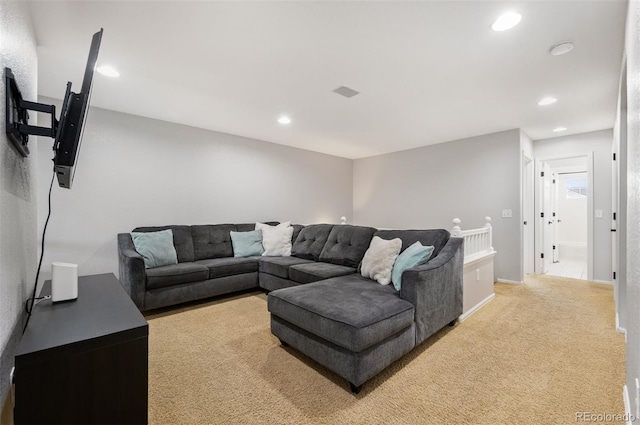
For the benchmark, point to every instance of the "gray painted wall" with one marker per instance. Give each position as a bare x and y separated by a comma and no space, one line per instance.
427,187
632,47
18,238
598,142
135,171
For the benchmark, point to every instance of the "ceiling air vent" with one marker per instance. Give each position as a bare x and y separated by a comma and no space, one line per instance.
346,91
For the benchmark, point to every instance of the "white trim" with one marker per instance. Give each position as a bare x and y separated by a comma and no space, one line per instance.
619,328
527,215
477,242
573,244
475,308
538,209
510,282
474,258
603,282
627,405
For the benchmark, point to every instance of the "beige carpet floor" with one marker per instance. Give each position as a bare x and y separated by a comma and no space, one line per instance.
537,354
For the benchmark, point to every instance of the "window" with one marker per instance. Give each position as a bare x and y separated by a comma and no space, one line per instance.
576,187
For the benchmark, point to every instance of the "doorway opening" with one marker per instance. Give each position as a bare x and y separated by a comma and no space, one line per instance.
564,199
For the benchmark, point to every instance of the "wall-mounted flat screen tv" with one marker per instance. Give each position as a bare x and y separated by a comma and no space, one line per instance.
72,118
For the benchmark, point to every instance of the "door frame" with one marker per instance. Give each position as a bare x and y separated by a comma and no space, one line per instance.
539,247
547,201
619,201
528,215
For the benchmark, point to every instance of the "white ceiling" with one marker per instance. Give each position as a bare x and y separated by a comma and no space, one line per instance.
428,72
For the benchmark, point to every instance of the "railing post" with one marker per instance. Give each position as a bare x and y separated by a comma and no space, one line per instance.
456,231
490,229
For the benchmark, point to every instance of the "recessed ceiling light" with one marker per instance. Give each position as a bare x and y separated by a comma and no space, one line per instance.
108,71
284,120
506,21
547,101
559,129
561,49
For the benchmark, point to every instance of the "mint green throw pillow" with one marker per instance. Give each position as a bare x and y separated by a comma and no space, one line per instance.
413,256
156,248
247,244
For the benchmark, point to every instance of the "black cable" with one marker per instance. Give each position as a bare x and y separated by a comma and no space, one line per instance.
32,300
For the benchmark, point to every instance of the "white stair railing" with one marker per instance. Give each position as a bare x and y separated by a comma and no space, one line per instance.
477,242
478,276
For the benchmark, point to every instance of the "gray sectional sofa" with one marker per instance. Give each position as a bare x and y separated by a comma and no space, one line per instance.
319,303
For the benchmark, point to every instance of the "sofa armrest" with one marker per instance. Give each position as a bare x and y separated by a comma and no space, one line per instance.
435,289
133,275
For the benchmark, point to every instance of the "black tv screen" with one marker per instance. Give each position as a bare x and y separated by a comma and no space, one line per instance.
72,118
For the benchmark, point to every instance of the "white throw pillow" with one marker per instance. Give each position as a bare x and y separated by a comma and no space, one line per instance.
379,258
276,240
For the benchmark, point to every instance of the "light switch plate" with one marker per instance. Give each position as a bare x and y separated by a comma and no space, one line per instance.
507,213
598,213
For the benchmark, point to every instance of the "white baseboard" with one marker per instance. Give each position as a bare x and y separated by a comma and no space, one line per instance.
629,418
475,308
604,282
620,328
510,282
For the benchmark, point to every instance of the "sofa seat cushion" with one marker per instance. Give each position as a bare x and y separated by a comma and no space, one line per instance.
176,274
313,272
279,266
350,311
229,266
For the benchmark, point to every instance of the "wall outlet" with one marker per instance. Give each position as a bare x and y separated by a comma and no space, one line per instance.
477,275
598,213
507,213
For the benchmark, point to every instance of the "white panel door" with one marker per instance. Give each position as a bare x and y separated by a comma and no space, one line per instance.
555,193
547,217
528,215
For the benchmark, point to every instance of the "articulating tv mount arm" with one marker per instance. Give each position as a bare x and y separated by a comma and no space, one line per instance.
17,116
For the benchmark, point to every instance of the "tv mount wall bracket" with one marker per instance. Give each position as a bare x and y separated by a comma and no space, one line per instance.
17,116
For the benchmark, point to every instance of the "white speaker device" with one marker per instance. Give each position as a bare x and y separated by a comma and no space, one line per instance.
64,281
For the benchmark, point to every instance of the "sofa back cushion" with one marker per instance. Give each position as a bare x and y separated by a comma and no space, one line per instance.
437,238
346,245
212,241
297,228
249,227
182,240
310,241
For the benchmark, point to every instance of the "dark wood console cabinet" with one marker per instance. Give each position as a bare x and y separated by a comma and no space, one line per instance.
84,361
